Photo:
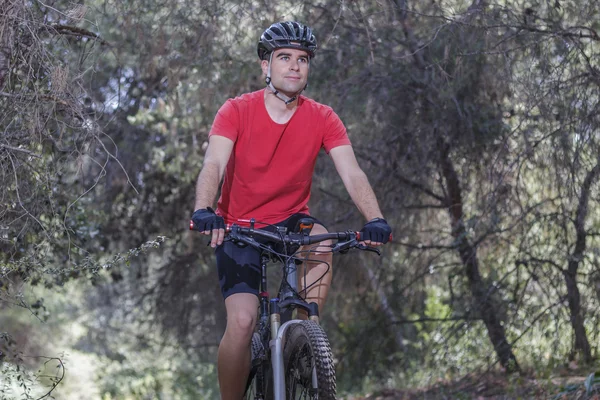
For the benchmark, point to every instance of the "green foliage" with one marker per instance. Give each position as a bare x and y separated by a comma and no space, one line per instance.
35,269
588,390
157,379
17,377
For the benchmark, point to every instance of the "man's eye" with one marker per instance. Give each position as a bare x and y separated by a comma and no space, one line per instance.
303,60
285,58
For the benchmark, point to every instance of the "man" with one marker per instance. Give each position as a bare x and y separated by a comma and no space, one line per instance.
265,145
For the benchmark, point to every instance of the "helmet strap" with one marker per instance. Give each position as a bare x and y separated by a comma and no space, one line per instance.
287,100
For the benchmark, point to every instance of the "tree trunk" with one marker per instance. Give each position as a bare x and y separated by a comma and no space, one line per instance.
468,255
7,20
582,345
387,309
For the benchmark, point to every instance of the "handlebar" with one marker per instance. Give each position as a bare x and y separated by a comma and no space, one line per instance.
346,240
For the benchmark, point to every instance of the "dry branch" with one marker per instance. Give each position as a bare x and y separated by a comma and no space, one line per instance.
75,31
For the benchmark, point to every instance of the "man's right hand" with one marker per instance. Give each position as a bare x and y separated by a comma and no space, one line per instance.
207,222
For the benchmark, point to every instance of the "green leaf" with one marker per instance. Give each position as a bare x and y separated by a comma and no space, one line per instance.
560,395
589,384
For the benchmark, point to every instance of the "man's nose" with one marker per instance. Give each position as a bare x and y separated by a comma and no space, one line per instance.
294,65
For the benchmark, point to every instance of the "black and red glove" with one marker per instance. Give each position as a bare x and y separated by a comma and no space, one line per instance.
377,230
205,219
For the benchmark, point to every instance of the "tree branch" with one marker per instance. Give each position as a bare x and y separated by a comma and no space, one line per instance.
75,31
450,319
7,147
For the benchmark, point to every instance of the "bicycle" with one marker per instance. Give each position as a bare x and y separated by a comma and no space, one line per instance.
291,358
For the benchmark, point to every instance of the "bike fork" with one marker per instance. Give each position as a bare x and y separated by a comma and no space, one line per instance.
277,366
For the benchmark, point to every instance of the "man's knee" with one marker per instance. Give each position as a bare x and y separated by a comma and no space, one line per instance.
241,316
243,321
240,328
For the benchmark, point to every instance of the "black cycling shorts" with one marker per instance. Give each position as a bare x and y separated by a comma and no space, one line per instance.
238,265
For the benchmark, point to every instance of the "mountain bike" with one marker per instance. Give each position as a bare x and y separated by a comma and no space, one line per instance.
291,358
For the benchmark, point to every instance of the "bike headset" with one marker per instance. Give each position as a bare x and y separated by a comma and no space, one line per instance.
285,35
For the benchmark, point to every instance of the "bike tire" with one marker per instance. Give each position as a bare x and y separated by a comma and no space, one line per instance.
306,352
260,375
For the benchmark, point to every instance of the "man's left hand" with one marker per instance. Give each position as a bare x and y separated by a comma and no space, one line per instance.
376,232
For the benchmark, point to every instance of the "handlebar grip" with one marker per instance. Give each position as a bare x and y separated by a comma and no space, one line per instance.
359,238
193,227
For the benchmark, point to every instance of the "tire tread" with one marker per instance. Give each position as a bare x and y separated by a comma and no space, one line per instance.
321,352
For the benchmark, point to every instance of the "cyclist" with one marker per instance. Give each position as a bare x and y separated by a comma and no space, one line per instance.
264,146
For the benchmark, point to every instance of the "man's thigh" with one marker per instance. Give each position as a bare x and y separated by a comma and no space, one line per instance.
239,269
322,248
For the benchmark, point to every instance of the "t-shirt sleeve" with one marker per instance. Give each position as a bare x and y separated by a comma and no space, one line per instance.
335,132
226,121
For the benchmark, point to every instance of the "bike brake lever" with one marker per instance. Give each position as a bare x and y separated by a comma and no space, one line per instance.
368,248
344,246
241,239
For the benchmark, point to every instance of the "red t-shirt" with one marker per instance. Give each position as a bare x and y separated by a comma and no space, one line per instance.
269,174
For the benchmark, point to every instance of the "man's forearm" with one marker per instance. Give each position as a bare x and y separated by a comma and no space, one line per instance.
362,194
207,186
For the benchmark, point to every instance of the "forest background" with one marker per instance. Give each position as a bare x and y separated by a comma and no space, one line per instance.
477,122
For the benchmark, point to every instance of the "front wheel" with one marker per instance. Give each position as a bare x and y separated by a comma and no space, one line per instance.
259,386
309,369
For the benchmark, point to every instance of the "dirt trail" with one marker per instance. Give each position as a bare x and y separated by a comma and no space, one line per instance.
495,387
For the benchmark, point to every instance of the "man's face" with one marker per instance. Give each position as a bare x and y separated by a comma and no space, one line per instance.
289,70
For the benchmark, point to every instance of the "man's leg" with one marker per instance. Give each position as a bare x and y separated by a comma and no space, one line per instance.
316,273
239,277
234,350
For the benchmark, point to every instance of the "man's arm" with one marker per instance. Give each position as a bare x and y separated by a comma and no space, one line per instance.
355,181
216,159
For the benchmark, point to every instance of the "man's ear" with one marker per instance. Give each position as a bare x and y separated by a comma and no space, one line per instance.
264,64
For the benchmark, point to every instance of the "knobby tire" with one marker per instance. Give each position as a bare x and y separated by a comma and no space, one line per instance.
306,349
260,372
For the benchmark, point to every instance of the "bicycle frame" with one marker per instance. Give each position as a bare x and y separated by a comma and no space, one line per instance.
272,323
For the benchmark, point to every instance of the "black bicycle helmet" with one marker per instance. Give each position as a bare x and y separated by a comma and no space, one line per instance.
288,34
